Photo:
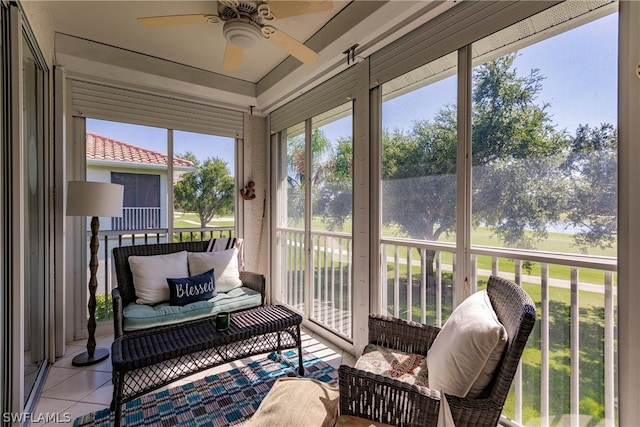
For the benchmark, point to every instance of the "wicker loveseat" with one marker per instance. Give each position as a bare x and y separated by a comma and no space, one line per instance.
394,400
251,294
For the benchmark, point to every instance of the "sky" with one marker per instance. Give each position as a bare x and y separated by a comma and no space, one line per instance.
580,86
202,145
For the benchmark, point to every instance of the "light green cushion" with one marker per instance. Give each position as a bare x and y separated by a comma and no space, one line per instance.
142,316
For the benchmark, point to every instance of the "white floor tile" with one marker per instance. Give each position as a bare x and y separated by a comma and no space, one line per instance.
79,387
74,391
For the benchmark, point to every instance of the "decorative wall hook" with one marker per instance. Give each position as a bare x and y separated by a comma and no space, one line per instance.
248,192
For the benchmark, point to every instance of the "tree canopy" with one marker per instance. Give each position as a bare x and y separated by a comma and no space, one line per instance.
527,175
207,190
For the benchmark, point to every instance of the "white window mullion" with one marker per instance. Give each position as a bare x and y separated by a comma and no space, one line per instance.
361,207
308,216
463,273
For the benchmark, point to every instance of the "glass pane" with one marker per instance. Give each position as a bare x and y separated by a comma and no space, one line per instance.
296,169
292,223
35,219
332,207
419,146
204,184
136,157
545,180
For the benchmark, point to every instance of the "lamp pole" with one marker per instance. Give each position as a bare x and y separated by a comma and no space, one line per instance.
93,199
92,355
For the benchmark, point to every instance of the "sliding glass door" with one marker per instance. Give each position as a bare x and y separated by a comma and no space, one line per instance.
36,256
316,213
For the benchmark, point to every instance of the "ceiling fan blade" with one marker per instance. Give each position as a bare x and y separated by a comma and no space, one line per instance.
285,42
232,57
162,21
285,9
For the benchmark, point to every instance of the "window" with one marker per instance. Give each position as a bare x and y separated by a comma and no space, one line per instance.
136,157
293,223
204,182
544,155
195,201
315,233
141,204
418,172
331,179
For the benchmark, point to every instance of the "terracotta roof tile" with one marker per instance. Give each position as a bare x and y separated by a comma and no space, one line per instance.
107,149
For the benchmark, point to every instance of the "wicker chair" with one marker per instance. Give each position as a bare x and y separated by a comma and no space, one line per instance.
388,400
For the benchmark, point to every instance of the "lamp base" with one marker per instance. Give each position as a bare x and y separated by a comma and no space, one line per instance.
83,359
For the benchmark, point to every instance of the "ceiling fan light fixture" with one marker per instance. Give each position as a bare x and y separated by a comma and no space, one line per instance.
242,33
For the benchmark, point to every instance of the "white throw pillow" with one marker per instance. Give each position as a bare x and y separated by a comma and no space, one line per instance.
224,264
464,355
150,275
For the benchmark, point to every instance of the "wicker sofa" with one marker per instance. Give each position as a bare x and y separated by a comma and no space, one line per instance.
251,294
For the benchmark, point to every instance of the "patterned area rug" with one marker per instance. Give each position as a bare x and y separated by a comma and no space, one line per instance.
225,399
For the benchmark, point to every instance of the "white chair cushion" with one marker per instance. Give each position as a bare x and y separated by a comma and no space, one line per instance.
150,275
224,264
464,355
407,367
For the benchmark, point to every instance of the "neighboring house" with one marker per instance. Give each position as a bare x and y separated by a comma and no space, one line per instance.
142,171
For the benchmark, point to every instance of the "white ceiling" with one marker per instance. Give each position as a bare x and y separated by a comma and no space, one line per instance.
97,25
196,45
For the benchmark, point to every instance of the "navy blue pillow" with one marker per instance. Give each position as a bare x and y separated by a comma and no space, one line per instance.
191,289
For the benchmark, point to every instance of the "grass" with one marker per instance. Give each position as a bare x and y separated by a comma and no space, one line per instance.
192,220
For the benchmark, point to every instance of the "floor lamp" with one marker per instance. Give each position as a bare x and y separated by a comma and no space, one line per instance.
94,199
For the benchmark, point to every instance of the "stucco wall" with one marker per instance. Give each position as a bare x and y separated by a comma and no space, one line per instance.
256,211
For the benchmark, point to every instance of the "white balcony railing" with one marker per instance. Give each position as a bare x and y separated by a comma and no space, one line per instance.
331,278
567,374
137,218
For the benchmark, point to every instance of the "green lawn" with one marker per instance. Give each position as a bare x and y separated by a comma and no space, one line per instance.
192,220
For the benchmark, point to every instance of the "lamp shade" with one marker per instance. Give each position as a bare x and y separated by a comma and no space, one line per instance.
85,198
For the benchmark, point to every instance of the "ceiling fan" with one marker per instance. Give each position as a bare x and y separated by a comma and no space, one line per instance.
247,22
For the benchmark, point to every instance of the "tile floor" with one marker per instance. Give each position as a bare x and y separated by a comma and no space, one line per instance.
71,391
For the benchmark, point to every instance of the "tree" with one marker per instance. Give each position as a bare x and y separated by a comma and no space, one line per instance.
593,167
526,174
515,151
297,172
334,201
207,190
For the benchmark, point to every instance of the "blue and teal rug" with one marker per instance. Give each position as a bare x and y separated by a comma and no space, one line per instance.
225,399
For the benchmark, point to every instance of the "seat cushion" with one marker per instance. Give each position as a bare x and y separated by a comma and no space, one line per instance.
142,316
466,352
223,263
150,275
410,368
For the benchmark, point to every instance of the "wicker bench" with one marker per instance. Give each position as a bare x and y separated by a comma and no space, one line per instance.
146,362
